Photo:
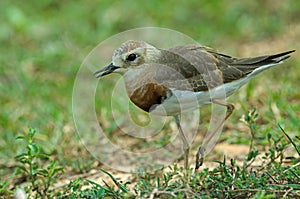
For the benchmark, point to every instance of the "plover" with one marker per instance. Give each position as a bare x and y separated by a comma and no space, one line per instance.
183,78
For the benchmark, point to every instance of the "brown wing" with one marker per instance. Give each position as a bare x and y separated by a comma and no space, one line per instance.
195,64
205,68
235,68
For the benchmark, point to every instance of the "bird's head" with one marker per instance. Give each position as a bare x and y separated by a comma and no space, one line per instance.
130,54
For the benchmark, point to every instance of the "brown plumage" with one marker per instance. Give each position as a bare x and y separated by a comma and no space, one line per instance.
195,62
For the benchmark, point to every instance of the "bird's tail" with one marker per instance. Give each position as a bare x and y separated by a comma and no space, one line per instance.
257,64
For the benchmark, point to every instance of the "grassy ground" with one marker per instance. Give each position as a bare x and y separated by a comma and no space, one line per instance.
42,46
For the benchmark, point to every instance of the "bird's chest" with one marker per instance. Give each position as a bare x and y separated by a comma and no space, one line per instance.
149,95
144,90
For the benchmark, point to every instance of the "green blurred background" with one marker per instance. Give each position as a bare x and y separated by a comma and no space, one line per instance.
43,43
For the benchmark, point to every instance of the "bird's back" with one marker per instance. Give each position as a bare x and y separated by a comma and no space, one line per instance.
205,68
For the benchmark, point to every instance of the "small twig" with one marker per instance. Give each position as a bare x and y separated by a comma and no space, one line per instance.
156,193
287,192
272,177
153,193
291,167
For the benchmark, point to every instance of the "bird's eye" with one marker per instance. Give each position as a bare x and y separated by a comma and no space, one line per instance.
131,57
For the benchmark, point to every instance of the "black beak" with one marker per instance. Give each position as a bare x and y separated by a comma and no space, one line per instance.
106,70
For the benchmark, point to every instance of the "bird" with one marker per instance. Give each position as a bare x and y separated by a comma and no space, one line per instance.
182,79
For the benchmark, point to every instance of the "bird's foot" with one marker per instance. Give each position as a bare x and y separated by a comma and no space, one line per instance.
199,157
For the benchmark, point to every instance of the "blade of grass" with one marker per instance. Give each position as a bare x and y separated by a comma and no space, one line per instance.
289,138
120,186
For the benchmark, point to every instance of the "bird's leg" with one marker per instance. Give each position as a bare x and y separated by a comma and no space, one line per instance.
185,143
201,150
230,108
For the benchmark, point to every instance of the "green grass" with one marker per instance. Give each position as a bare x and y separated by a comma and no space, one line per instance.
272,178
43,44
